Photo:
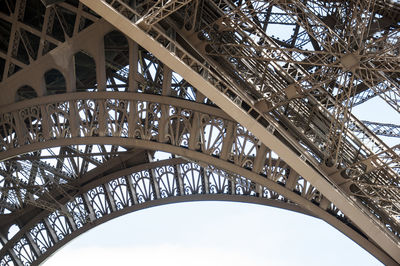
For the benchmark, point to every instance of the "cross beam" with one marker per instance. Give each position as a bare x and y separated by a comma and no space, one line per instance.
162,9
354,211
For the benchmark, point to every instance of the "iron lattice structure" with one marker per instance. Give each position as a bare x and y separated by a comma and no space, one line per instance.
251,101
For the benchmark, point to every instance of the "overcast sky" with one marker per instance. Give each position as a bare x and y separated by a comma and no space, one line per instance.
213,233
220,233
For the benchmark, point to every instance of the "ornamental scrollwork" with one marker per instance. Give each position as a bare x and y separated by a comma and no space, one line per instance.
147,122
307,190
88,112
193,180
99,201
41,237
32,118
117,112
77,209
8,136
6,261
143,186
59,224
212,134
178,126
59,116
120,193
244,148
218,182
167,181
24,252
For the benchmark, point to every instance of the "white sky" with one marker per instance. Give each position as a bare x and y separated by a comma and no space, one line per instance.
220,233
213,233
216,233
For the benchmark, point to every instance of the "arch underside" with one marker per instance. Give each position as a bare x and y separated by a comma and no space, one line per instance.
87,153
100,170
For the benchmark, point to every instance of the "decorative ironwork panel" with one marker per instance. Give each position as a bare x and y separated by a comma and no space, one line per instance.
143,186
120,193
167,179
193,178
41,237
24,251
300,86
99,201
59,224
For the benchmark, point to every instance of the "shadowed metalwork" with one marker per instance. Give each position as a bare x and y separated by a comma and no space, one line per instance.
111,106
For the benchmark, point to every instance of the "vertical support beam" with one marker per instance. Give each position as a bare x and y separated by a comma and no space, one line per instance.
195,132
259,160
100,60
133,65
179,177
133,116
70,220
259,163
15,258
69,72
154,183
110,197
20,128
354,211
39,84
228,140
292,180
131,190
102,118
204,180
33,245
50,231
88,205
166,90
167,80
74,121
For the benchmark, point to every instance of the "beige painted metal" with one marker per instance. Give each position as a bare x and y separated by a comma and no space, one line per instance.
355,212
201,157
162,9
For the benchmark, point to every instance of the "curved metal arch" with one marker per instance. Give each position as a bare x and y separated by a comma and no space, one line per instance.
323,174
229,154
381,207
59,229
76,227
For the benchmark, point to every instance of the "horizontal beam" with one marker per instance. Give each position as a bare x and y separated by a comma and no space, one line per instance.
361,218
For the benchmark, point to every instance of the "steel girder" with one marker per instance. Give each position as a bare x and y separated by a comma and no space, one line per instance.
251,171
186,65
300,109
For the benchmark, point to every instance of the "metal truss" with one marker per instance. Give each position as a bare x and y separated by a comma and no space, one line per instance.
232,148
161,10
283,133
383,129
162,123
129,189
29,30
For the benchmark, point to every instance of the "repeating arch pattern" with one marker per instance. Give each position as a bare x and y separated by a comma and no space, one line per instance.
135,121
152,184
157,110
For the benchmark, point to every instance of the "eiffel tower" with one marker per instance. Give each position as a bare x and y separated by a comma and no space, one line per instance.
112,106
